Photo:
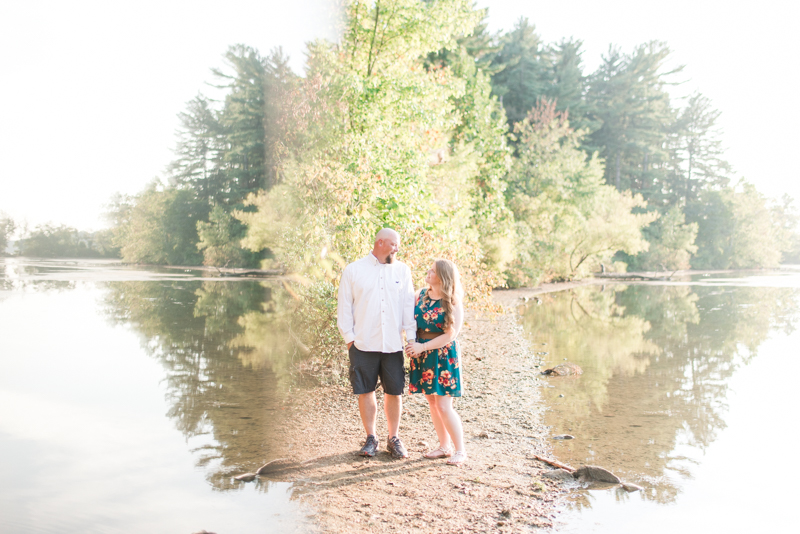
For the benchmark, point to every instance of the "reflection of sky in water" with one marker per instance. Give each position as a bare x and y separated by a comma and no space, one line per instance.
685,392
85,445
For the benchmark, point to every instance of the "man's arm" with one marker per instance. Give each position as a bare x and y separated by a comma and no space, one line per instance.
409,301
344,310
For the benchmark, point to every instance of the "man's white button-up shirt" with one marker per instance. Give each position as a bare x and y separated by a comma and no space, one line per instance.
376,303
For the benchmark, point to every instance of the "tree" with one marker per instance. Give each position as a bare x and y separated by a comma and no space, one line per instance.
632,107
223,155
220,239
372,115
568,88
567,219
756,240
696,158
386,145
738,229
62,241
158,226
478,139
199,148
7,228
672,243
526,74
785,219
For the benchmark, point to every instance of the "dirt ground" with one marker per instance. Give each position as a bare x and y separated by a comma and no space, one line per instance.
501,488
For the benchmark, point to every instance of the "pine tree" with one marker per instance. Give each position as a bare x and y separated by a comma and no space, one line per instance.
696,158
569,84
526,73
632,107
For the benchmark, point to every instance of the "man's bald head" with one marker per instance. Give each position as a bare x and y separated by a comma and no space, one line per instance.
385,233
387,243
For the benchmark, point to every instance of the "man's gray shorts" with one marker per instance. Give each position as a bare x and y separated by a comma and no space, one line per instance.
366,367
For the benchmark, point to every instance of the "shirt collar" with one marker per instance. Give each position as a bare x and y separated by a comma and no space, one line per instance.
373,260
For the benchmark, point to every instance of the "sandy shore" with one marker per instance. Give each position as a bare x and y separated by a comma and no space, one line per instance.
501,488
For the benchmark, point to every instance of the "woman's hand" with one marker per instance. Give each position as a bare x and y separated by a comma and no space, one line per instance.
414,349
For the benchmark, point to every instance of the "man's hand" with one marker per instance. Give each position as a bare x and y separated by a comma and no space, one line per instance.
350,345
414,349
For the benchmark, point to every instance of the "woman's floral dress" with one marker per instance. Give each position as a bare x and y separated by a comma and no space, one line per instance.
438,371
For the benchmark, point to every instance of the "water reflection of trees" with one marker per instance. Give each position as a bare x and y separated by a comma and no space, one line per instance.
658,360
590,328
227,361
19,276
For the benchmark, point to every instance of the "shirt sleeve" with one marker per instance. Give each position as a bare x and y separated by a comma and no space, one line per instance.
345,312
409,298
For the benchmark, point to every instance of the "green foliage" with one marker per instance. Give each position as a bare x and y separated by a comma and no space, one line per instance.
786,222
48,241
526,70
226,154
713,214
696,160
223,155
738,229
391,139
372,118
404,123
671,244
7,228
525,76
567,219
479,145
628,96
756,240
220,238
158,226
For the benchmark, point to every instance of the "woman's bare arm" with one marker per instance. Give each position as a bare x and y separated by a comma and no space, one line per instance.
445,338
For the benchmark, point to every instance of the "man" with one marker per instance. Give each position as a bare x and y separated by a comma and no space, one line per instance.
376,303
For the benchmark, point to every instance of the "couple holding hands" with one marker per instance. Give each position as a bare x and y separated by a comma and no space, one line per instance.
377,302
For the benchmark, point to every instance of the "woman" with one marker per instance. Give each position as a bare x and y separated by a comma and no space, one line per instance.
435,360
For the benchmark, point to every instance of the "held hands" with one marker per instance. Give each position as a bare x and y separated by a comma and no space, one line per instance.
414,349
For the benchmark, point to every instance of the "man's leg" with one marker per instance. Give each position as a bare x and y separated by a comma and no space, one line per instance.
364,369
393,379
393,406
368,408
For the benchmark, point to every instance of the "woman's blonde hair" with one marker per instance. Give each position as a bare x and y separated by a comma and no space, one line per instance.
452,292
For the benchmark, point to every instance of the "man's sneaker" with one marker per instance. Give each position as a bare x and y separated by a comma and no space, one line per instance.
370,448
396,448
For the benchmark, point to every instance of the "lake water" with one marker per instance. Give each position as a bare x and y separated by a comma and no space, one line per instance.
688,391
129,398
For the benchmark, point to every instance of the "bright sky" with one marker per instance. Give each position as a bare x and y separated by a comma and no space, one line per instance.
92,89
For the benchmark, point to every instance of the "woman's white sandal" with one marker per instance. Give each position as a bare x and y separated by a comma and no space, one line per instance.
439,452
458,458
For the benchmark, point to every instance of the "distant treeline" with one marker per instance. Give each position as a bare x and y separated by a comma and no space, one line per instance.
48,241
498,151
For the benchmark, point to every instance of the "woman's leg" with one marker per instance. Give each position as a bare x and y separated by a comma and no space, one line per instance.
438,424
450,420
